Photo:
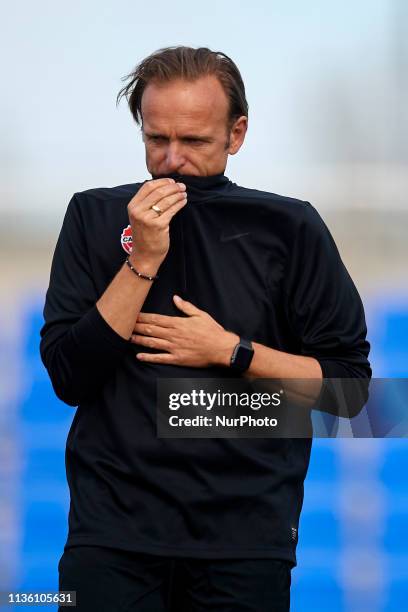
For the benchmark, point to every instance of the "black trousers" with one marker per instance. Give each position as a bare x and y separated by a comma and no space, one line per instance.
112,580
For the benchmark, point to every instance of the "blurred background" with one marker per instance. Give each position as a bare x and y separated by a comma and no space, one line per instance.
327,85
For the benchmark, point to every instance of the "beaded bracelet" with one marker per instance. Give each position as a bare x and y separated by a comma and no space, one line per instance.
145,276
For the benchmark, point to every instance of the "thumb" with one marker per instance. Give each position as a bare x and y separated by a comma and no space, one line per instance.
186,307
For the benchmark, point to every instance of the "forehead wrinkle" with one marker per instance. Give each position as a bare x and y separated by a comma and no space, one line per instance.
169,112
166,103
182,126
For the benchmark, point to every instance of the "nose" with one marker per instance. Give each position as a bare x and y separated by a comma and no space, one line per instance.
174,157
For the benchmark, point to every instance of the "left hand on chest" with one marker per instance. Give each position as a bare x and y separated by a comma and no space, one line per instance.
196,340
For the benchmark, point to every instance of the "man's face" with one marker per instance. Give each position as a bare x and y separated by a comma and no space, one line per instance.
185,127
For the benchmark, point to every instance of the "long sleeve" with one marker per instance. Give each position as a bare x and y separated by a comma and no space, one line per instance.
325,310
78,348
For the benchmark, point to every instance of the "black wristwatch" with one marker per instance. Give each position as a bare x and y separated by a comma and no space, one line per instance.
242,355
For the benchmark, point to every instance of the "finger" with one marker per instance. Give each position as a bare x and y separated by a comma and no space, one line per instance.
156,319
167,216
186,307
157,357
156,343
159,195
153,191
153,184
150,186
152,330
166,203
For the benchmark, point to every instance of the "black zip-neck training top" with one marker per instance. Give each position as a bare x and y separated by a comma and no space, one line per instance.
263,266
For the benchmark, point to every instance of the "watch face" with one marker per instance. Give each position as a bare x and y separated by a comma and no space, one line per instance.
242,355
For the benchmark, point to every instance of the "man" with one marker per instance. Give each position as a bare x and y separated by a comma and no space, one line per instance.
219,280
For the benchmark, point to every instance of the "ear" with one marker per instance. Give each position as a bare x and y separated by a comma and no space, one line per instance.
237,134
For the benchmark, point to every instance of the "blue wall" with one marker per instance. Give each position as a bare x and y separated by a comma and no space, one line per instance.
352,538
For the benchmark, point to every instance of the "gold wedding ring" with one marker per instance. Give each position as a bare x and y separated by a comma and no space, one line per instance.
156,209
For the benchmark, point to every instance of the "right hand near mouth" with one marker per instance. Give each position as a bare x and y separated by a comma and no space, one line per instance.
150,231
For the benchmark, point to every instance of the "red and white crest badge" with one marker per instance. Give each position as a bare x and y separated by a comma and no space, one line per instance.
126,239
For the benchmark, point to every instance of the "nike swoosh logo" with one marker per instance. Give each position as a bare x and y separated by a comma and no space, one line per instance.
234,237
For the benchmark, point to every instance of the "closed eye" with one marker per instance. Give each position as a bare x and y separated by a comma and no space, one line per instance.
157,138
192,140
